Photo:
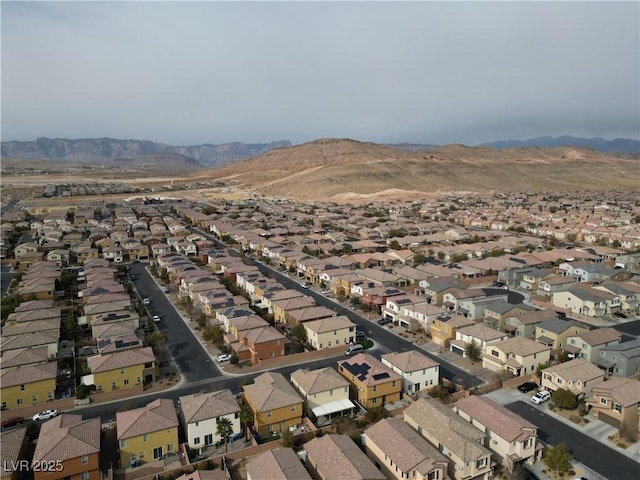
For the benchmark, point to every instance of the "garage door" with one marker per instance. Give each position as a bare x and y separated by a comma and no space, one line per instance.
609,420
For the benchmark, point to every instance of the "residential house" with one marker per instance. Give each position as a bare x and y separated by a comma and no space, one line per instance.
445,326
401,452
325,393
524,324
497,312
554,332
275,404
628,296
587,301
14,448
303,315
330,332
72,445
277,463
147,433
587,346
578,376
622,360
28,385
418,371
478,334
201,412
259,344
373,384
518,356
49,339
123,369
454,437
281,308
512,439
552,285
616,401
333,457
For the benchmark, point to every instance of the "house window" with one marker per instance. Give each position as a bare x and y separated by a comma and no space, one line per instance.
123,443
170,447
481,463
34,398
293,408
141,455
4,405
374,400
126,381
122,370
114,385
269,413
331,392
495,353
236,415
146,437
617,407
393,384
50,395
19,401
84,459
196,440
84,476
603,400
375,388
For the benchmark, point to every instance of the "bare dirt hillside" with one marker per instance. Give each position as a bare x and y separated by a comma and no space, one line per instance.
343,169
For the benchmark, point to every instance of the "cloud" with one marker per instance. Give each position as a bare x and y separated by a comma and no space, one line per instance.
431,72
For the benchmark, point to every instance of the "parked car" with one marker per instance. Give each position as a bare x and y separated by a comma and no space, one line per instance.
619,315
166,289
11,422
223,358
45,415
527,387
146,301
384,321
156,319
133,277
304,285
360,333
541,397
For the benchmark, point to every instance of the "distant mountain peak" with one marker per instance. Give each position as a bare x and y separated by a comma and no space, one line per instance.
602,145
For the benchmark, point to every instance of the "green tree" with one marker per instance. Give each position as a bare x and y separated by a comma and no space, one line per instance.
214,334
246,417
224,428
558,458
564,399
418,259
153,269
299,332
394,245
287,438
540,367
473,351
341,295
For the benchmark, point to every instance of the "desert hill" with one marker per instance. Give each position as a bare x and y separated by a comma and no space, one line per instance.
343,168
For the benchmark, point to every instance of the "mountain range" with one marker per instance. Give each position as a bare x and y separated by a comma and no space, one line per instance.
112,151
117,152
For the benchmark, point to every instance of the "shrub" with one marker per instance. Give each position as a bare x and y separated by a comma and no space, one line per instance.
376,413
564,399
234,359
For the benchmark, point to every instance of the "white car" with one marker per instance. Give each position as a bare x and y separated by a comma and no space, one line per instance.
304,285
224,357
156,319
146,301
541,397
45,415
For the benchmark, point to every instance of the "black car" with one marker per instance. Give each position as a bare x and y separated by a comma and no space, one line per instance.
360,333
619,315
384,321
527,386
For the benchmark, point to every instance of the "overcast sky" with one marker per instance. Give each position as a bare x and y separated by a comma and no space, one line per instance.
422,72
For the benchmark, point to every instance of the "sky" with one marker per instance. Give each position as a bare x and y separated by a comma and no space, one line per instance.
187,73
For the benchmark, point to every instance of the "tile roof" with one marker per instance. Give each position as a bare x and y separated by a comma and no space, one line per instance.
598,336
575,370
368,370
405,447
497,418
204,406
409,361
271,391
320,380
27,374
277,464
66,437
482,332
121,359
329,324
337,457
441,423
157,415
520,346
625,391
11,443
205,475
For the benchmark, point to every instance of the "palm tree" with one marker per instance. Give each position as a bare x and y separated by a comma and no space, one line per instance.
224,428
246,416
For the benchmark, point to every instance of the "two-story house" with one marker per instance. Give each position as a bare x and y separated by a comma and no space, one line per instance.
616,401
123,369
200,413
554,332
72,445
325,393
373,384
511,438
578,376
622,360
454,437
147,433
275,403
588,345
518,356
403,453
445,326
277,463
336,456
330,332
28,385
478,334
418,371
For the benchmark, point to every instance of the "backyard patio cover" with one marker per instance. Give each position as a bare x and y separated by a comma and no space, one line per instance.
332,407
